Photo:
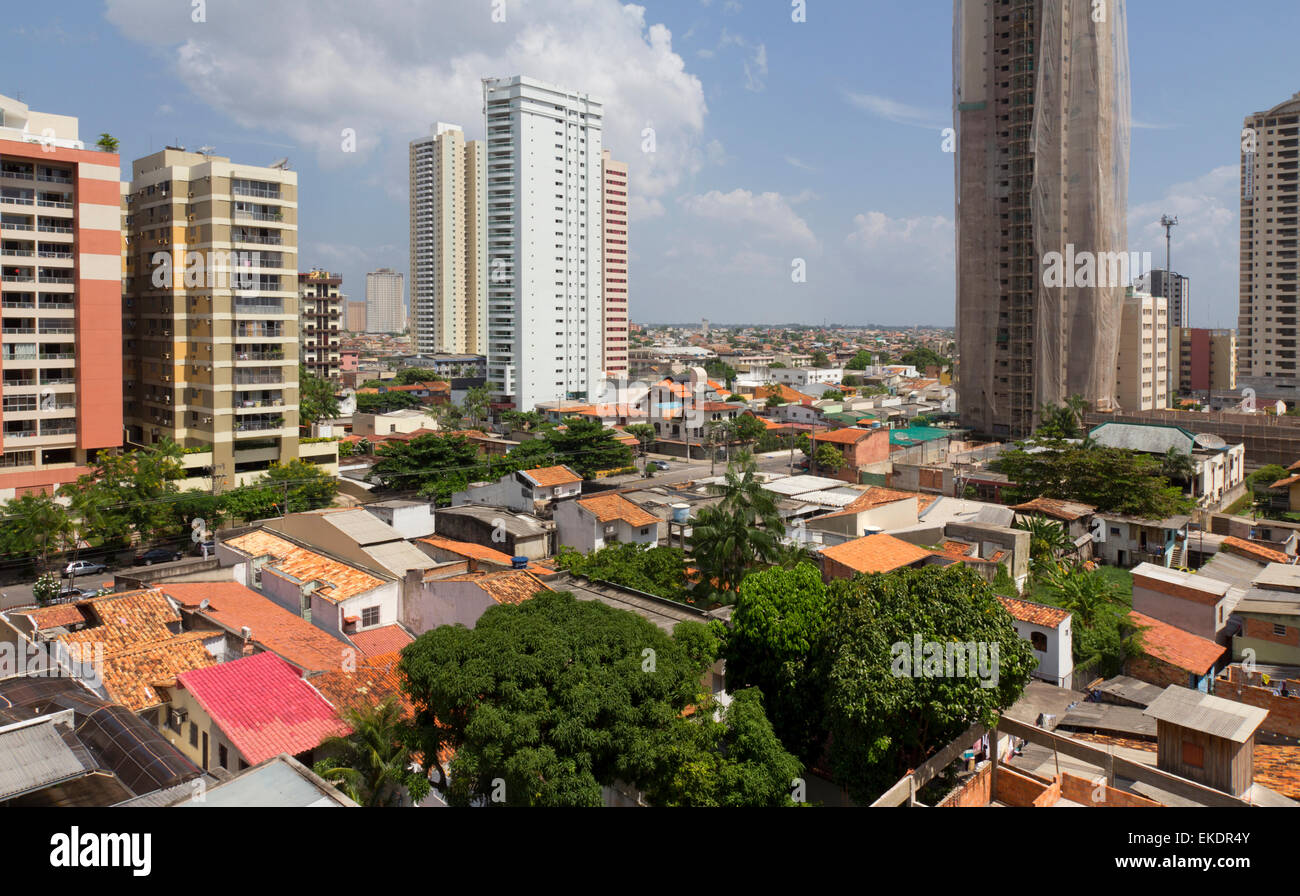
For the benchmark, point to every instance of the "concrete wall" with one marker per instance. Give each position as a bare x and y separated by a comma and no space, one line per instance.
1187,608
445,603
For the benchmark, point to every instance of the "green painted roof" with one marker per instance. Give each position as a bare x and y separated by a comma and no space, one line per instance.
912,434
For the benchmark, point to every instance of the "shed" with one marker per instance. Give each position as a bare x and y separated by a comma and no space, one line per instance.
1207,739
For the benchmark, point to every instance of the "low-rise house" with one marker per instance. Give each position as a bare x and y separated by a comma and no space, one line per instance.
1194,603
253,623
241,713
525,491
1074,516
1219,469
462,599
499,528
872,553
355,536
1207,739
339,597
387,639
405,421
1126,541
1171,656
410,519
1047,629
589,524
447,550
863,450
280,782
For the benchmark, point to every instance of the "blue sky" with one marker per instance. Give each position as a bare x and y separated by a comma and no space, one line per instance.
774,140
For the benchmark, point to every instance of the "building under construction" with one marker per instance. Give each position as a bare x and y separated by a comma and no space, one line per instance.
1041,94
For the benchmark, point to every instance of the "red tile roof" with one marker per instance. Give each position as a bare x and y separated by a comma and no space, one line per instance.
344,581
1035,614
373,680
1176,647
1254,551
878,495
505,587
607,508
467,549
549,477
234,607
876,553
848,436
385,639
263,706
59,615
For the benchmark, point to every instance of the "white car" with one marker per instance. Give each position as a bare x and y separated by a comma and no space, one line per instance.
83,568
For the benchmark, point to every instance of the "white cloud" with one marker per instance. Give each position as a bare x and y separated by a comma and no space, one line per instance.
795,162
766,216
1206,240
311,68
876,232
892,110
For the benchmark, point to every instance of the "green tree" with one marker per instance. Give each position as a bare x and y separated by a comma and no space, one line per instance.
412,375
372,764
1177,467
779,619
861,361
655,570
475,404
385,402
316,398
884,714
523,420
551,698
46,589
821,359
35,526
588,447
527,455
127,494
1114,480
922,357
1047,540
645,435
829,458
304,485
722,757
107,143
1103,638
436,466
832,395
749,429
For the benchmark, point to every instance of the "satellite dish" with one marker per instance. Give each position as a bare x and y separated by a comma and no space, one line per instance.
207,150
1210,441
282,163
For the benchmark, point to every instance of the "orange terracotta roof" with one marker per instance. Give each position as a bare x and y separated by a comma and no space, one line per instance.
848,436
1254,550
1283,483
878,495
1061,510
510,586
132,677
373,680
289,636
1175,646
342,581
59,615
385,639
876,553
955,548
1035,614
785,393
608,508
467,549
549,477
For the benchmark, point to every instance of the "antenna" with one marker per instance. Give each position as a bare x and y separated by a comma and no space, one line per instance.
207,150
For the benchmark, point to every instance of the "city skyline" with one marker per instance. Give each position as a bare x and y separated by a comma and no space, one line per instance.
733,98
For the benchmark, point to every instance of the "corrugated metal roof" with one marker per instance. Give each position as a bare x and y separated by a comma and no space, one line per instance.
399,557
1210,715
32,756
362,526
1235,570
798,485
1145,437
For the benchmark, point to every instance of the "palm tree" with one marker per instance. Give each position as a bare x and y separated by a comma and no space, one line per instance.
107,143
372,765
1177,467
1047,541
741,492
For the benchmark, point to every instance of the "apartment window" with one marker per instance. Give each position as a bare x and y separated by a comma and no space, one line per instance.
370,616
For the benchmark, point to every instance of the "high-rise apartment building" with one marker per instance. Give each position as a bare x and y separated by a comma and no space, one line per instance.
211,310
385,312
448,242
1203,360
1270,243
1174,287
61,292
356,316
1041,207
320,317
545,242
614,223
1142,362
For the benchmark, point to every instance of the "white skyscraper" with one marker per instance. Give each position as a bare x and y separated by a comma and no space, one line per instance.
384,310
545,240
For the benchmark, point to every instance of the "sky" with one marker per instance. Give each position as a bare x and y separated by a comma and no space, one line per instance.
778,145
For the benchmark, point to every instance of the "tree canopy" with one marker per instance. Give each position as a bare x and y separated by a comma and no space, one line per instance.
1114,480
655,570
316,398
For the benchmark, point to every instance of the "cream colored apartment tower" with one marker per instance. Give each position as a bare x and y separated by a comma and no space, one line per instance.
1267,330
210,316
1142,365
448,242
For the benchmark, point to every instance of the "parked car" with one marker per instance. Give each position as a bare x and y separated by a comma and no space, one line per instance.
206,548
83,568
156,555
661,465
71,594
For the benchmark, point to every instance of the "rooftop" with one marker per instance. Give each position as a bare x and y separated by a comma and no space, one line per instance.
382,640
1035,614
549,477
1209,715
263,706
876,553
510,586
608,508
340,581
1176,647
467,549
1060,510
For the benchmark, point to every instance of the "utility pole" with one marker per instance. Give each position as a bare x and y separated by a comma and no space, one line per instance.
1169,223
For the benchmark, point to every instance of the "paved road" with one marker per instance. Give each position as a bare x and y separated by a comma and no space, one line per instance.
21,595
